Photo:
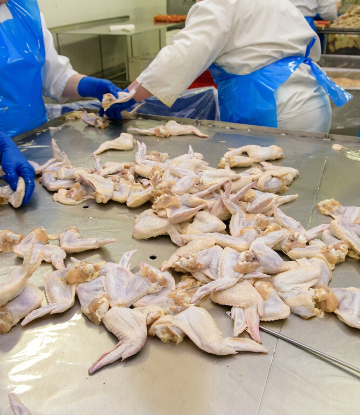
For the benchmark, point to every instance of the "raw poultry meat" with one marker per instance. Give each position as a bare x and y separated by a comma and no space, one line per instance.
82,271
274,307
116,278
109,99
270,262
9,239
149,225
74,196
71,241
290,223
93,300
250,303
14,198
332,207
60,296
200,327
348,310
17,406
15,282
347,232
241,243
124,142
256,154
28,300
130,327
51,253
39,169
295,288
103,189
204,222
94,120
199,244
171,128
318,250
206,261
51,182
276,179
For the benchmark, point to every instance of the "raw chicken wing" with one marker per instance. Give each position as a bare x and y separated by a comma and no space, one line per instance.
28,300
9,239
198,324
124,142
130,327
15,282
71,241
60,295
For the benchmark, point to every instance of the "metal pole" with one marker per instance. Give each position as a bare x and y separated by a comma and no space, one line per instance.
309,349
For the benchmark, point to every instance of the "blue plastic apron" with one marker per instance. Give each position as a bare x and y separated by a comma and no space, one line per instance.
249,99
22,55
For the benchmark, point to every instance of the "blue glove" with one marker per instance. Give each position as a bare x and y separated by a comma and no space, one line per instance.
94,87
114,111
14,165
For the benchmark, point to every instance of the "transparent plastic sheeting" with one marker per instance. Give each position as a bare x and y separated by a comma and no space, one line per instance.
197,104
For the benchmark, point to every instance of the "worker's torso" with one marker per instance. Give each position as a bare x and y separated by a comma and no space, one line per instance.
260,32
308,8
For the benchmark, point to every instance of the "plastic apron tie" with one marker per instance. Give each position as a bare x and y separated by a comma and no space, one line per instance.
22,55
249,99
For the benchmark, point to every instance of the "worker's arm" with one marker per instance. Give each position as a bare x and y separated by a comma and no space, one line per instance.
195,48
327,9
62,82
14,165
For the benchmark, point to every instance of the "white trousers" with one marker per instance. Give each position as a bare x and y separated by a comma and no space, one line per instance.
317,120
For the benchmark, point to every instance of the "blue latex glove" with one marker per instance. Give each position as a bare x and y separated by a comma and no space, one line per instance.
94,87
14,165
114,111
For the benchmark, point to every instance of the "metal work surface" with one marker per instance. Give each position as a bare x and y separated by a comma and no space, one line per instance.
46,362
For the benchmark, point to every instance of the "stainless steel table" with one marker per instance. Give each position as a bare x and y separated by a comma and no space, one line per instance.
100,29
46,363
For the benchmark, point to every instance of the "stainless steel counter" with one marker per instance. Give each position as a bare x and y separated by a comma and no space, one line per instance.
46,363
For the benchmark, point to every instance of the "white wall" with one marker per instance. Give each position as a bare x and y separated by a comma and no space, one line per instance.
63,12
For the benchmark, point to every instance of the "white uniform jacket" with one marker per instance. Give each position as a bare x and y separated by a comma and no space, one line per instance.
240,36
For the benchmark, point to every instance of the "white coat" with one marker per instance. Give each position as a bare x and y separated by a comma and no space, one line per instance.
327,9
57,69
240,36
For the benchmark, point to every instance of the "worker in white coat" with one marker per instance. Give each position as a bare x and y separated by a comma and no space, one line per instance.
30,68
261,54
326,9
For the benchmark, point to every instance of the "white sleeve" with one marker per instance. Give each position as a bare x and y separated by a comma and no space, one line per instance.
195,48
327,9
58,69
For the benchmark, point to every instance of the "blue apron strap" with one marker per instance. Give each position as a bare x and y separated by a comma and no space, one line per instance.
338,95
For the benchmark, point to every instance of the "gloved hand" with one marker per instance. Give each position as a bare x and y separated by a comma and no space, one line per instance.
14,165
93,87
114,111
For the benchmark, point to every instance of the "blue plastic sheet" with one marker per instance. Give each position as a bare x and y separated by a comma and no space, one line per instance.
249,99
197,104
22,57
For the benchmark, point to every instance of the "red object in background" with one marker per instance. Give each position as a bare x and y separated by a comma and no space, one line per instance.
203,81
169,18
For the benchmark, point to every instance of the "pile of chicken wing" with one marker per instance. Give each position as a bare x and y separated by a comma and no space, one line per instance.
236,246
